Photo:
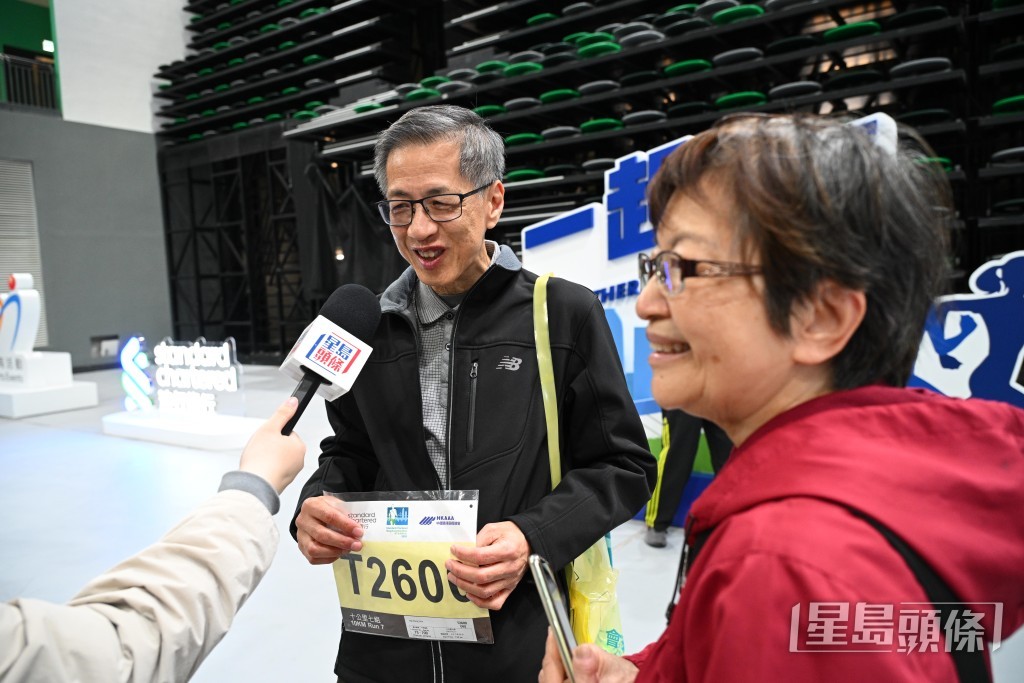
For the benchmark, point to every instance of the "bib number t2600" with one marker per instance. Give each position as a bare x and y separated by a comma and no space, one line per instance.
407,582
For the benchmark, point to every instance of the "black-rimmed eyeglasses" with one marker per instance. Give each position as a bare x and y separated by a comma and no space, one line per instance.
440,208
671,270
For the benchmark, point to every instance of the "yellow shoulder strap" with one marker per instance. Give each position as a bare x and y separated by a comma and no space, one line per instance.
547,374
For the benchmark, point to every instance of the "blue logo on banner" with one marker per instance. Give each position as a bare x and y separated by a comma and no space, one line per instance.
625,205
625,200
398,516
136,382
973,344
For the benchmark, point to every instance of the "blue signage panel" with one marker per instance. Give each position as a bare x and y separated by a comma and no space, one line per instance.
973,344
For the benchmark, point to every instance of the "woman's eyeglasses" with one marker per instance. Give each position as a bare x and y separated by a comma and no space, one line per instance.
671,270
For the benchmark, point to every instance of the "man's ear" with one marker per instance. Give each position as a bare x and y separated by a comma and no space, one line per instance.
495,204
823,323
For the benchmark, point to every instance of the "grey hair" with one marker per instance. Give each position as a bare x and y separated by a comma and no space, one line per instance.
481,154
815,199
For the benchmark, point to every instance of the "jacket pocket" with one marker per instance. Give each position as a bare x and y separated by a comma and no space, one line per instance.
473,375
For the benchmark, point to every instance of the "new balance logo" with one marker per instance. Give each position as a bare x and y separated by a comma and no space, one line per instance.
509,363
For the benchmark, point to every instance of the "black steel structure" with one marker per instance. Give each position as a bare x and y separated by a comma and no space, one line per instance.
229,179
572,88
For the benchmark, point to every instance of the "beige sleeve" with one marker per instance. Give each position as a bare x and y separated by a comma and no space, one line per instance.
155,616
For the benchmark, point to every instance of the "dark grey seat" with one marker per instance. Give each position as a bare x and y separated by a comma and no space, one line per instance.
918,67
773,5
600,164
1010,155
520,103
635,118
740,54
709,8
594,87
453,86
685,25
549,61
630,28
576,8
641,38
557,132
461,74
794,89
525,56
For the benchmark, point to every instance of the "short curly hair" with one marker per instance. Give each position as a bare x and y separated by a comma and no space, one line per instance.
814,199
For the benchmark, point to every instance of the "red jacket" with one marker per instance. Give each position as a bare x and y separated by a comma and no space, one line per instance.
946,475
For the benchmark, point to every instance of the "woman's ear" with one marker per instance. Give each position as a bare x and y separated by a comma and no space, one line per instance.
823,323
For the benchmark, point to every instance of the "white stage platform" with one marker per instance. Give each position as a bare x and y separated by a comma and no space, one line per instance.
27,401
209,432
40,382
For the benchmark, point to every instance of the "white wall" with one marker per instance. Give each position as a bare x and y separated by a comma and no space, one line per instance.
107,53
101,234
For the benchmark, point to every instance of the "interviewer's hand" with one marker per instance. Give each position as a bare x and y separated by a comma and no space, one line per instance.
489,572
325,532
269,454
590,664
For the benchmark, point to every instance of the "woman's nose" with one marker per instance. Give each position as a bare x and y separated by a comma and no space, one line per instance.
652,302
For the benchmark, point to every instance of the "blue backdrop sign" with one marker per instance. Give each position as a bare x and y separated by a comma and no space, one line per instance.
973,344
596,245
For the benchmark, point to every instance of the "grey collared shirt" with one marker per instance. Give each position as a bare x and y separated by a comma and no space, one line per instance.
436,322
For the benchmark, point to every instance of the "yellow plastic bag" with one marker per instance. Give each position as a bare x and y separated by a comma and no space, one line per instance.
593,603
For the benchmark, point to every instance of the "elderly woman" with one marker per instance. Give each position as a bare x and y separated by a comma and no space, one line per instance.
796,261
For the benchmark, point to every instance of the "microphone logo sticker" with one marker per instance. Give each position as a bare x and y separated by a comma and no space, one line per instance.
333,354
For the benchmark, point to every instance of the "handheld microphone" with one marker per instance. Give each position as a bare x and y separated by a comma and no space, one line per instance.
330,352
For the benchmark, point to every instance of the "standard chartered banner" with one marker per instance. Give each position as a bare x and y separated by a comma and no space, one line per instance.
397,585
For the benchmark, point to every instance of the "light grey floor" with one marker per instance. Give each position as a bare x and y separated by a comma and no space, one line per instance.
73,502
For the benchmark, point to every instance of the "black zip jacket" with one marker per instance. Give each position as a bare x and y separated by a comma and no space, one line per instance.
497,443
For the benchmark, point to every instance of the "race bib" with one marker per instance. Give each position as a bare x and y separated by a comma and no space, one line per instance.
397,585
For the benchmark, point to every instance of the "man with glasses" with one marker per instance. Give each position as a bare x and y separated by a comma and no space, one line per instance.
451,400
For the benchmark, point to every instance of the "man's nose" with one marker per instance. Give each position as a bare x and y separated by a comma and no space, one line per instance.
422,227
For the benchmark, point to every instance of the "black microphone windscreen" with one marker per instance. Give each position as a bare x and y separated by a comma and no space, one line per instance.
354,308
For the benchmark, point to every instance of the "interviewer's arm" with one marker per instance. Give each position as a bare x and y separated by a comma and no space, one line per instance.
157,615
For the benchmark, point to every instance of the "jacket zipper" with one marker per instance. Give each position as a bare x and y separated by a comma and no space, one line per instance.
451,397
433,663
448,441
451,368
472,403
684,566
687,530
